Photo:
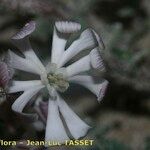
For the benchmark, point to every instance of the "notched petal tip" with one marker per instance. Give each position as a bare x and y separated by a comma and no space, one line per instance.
86,34
96,60
87,38
4,74
25,31
102,91
99,40
67,26
8,62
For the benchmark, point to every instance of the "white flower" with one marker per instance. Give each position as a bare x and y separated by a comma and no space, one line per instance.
56,78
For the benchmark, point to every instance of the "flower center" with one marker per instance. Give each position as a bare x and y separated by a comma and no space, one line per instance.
58,81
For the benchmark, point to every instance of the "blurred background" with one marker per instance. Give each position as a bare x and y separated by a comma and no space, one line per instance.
121,121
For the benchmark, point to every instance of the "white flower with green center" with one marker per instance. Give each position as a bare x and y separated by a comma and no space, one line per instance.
56,78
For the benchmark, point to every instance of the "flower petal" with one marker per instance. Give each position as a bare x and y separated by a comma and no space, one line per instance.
55,130
101,44
79,66
67,26
25,31
21,102
96,59
98,88
58,47
20,63
86,63
76,126
85,41
4,74
21,41
30,54
62,30
18,86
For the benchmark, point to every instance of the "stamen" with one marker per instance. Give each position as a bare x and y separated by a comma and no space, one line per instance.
58,81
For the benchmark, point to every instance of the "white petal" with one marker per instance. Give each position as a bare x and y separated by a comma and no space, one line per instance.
30,54
67,26
86,63
85,41
98,88
21,102
76,126
99,40
58,47
96,59
79,66
25,47
20,63
55,130
60,35
18,86
21,41
25,31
